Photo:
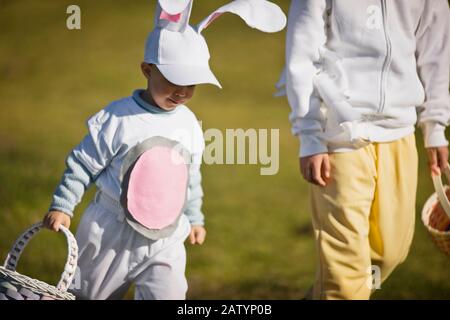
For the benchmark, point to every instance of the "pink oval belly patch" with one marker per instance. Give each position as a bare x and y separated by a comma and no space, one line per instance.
157,187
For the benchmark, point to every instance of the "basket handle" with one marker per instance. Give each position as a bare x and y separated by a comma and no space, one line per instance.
439,187
71,264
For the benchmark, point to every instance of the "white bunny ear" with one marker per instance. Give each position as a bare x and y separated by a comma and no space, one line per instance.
173,15
260,14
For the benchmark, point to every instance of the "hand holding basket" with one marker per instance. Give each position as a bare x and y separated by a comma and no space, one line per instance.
436,213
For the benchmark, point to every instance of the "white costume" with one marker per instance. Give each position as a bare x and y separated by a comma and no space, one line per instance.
145,162
112,253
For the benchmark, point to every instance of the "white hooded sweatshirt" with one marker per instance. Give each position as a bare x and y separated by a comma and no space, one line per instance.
361,71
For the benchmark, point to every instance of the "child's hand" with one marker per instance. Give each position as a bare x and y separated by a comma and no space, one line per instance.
197,235
437,159
54,219
316,169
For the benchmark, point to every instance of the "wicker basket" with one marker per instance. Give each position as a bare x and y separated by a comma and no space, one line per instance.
15,286
436,214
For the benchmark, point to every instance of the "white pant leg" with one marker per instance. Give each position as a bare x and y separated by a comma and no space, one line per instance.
163,275
165,278
103,262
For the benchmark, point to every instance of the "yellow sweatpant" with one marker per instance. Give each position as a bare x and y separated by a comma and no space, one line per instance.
364,217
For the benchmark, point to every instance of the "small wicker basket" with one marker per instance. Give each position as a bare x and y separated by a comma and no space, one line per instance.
15,286
436,213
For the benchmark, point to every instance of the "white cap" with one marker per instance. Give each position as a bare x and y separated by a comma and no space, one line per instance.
182,57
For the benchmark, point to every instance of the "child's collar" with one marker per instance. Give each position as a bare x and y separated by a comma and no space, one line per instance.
147,106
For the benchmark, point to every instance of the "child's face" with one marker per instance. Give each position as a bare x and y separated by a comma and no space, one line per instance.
165,94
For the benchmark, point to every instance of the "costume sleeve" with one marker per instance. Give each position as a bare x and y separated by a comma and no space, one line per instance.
305,36
86,162
433,62
193,208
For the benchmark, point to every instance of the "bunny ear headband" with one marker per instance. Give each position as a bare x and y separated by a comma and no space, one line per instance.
180,51
259,14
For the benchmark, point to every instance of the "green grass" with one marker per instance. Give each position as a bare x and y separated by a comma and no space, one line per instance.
259,242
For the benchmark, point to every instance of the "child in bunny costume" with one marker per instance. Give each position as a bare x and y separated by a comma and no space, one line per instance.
144,152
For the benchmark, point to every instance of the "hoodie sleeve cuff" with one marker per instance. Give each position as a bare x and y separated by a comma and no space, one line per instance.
61,209
434,135
310,145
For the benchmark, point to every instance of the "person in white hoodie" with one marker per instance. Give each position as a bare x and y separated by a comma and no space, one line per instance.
360,74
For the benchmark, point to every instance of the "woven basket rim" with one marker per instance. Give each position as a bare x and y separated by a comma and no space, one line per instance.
34,285
426,212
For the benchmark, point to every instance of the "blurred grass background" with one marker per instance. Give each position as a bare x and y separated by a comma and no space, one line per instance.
260,242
